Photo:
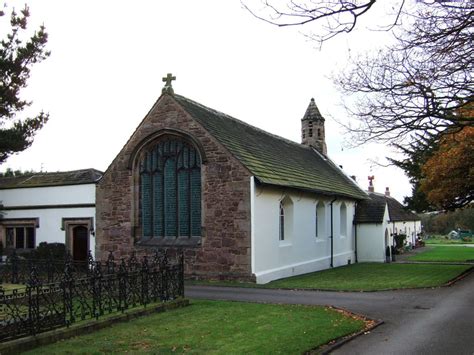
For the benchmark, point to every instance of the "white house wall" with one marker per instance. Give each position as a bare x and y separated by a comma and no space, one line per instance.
301,251
371,245
50,205
410,228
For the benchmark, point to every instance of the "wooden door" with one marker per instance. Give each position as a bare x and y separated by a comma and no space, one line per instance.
80,243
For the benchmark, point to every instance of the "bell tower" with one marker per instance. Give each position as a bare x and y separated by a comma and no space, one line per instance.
312,128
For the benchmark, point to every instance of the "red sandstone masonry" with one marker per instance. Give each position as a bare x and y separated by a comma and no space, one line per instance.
225,249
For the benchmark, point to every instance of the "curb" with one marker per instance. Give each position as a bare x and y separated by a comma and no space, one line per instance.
337,343
27,343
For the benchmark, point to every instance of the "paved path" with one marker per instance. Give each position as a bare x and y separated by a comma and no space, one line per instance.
423,321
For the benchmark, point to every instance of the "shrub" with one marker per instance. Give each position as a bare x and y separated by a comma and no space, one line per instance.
56,251
399,240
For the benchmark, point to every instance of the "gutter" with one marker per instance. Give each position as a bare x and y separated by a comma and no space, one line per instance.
332,234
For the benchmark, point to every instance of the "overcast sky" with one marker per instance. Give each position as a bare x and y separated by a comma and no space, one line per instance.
108,59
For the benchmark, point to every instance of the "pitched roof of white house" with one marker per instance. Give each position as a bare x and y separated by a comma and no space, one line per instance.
373,210
60,178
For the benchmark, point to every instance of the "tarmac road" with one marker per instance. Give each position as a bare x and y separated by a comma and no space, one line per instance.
421,321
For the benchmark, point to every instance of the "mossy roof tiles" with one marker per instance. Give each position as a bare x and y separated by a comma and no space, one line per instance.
272,159
372,210
76,177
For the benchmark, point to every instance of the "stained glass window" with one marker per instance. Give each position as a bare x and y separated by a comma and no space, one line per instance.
170,190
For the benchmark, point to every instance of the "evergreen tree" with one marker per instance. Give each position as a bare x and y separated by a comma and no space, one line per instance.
17,56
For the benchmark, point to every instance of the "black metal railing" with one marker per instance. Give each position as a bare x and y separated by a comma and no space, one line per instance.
104,288
16,270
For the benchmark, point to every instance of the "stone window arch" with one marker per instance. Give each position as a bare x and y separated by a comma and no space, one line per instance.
168,197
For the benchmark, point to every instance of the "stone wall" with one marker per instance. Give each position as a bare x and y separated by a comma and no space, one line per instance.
224,251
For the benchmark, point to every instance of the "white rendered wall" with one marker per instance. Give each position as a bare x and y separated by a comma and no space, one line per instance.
410,228
371,245
57,195
303,252
50,219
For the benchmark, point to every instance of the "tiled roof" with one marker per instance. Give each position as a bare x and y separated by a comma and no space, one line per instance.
76,177
372,211
272,159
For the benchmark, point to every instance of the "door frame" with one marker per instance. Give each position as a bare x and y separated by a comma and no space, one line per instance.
68,225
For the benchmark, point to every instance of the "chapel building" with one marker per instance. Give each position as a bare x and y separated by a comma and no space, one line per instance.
240,202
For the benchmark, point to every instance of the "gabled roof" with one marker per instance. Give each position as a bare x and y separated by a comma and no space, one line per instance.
76,177
372,210
272,159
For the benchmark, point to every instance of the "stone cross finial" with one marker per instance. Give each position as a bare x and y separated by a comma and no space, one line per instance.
168,88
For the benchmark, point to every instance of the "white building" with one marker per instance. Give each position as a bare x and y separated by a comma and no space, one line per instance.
49,207
377,221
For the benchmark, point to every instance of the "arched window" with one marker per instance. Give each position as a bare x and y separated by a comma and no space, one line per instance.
282,221
170,190
320,219
285,225
343,220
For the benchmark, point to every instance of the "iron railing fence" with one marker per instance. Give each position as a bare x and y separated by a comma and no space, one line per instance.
16,270
105,288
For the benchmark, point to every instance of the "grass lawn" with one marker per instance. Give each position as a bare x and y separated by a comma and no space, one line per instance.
217,327
366,277
445,253
442,240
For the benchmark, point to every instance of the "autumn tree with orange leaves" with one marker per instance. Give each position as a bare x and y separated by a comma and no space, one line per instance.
448,180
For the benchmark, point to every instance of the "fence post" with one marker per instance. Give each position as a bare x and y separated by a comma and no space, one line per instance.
181,273
13,260
96,280
144,281
33,290
122,276
68,285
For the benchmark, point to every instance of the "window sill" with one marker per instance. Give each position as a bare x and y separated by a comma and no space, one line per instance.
170,242
285,243
320,240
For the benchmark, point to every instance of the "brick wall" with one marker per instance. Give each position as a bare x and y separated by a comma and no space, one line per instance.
224,251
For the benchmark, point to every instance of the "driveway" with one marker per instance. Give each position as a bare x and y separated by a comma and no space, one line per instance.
422,321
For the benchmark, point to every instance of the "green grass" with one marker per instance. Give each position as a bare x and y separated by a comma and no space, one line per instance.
439,239
366,277
217,327
445,253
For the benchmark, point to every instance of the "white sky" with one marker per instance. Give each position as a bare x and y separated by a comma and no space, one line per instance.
108,58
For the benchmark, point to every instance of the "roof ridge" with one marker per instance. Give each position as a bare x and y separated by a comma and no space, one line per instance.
243,122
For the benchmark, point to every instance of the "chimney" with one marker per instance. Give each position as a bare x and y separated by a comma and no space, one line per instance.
387,192
371,185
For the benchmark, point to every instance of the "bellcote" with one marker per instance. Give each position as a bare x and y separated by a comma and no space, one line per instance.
312,128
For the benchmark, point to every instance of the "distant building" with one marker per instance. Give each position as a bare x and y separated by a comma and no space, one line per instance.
377,220
49,207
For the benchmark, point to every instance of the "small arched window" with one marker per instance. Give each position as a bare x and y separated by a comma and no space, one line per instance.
282,221
343,220
170,190
320,219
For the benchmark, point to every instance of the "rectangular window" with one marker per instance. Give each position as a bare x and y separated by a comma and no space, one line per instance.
20,237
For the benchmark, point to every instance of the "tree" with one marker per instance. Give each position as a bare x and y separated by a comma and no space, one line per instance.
17,56
448,180
329,17
421,85
409,94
